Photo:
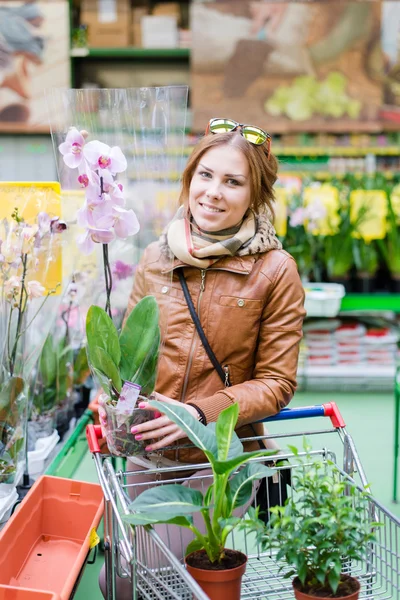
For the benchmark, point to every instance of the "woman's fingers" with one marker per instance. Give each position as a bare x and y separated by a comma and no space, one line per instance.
167,441
157,433
151,425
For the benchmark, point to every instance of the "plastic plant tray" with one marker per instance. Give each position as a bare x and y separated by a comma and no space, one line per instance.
47,538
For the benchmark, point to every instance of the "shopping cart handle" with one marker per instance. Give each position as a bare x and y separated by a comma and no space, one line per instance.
93,434
330,410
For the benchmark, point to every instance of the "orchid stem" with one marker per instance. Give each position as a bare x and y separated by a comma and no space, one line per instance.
107,269
21,309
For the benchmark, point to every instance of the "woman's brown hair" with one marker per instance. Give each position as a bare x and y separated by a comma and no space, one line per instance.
263,170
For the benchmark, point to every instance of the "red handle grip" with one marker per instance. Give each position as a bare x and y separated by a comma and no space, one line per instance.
93,434
332,411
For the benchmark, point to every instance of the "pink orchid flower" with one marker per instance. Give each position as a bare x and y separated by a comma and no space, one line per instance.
102,157
297,217
125,223
72,148
86,242
35,289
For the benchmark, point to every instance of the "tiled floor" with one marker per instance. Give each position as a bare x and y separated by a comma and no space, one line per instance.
370,421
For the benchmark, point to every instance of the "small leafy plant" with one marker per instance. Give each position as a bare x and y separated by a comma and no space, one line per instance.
229,490
116,358
325,521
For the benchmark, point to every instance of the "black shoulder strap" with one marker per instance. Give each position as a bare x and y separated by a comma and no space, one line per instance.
223,375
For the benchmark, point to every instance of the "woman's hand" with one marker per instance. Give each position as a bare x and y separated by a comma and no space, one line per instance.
161,426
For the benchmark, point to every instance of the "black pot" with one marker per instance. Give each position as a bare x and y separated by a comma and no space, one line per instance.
365,284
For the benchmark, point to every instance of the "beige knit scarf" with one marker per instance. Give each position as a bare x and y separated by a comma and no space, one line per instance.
198,248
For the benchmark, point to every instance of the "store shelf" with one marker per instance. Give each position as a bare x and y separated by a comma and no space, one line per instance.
131,52
347,378
335,151
367,302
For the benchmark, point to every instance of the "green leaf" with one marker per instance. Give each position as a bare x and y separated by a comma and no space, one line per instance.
225,429
104,363
236,446
147,373
333,580
165,502
102,333
241,484
138,337
12,399
193,546
48,363
227,466
199,434
81,367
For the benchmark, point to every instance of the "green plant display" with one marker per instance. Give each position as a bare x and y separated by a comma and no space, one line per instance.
13,403
326,520
229,490
54,376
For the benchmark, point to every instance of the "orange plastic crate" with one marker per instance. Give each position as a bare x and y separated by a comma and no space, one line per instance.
12,593
46,541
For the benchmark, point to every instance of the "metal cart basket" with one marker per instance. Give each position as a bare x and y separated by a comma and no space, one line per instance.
142,556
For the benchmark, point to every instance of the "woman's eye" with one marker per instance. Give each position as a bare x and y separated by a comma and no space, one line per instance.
205,174
233,182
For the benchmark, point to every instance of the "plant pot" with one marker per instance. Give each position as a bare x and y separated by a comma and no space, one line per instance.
365,284
222,583
395,283
8,592
48,537
120,441
299,595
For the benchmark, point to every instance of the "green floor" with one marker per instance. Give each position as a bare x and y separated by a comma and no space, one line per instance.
369,419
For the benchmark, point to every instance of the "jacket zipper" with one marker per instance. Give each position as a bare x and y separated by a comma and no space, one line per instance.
192,347
227,383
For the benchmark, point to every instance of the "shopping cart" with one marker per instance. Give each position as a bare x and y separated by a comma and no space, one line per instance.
142,555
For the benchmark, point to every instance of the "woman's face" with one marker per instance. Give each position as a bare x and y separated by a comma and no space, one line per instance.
219,193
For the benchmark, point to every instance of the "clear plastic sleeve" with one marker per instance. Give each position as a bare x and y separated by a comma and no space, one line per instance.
131,148
32,235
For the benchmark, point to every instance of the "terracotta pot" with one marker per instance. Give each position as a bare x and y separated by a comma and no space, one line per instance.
222,584
302,596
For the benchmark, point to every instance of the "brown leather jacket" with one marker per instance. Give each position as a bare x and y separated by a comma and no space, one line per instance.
251,309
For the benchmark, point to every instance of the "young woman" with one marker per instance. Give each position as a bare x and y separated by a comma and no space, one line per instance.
245,288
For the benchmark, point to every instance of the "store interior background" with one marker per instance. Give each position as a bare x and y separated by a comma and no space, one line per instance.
119,44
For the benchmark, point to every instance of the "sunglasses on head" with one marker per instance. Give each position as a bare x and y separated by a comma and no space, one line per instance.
254,135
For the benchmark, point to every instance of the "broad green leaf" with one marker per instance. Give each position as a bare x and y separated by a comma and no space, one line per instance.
147,372
147,519
81,367
241,484
11,396
102,333
225,430
48,363
166,502
236,446
227,466
194,546
104,363
138,337
199,434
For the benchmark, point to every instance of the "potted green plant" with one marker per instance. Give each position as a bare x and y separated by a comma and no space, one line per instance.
366,260
13,404
325,521
119,359
218,570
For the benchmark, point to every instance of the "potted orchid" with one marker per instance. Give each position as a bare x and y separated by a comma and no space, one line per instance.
125,363
24,250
